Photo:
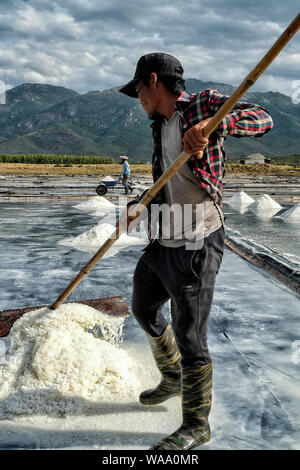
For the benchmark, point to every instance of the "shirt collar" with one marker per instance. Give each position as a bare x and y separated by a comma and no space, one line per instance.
182,101
184,97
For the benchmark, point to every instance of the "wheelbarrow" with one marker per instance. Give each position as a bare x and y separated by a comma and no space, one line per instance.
102,188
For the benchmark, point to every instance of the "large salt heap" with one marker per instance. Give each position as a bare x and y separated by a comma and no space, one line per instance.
265,206
292,214
94,238
55,364
98,206
93,203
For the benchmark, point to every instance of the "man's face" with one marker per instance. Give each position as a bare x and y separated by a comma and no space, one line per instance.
149,99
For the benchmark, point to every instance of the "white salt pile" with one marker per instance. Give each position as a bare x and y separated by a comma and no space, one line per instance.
293,214
108,178
98,206
240,199
56,366
265,205
95,203
92,240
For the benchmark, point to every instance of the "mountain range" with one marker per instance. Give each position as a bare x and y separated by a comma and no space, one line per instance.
41,118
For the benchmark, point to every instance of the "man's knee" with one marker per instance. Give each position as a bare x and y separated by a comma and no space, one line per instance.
148,296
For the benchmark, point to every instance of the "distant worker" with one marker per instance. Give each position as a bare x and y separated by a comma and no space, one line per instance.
126,174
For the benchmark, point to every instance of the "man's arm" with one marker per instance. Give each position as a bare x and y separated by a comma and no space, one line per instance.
245,120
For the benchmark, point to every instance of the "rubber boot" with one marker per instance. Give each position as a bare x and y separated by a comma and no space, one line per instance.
196,405
167,357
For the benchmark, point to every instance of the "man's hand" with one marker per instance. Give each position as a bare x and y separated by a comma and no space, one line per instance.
193,141
131,217
128,220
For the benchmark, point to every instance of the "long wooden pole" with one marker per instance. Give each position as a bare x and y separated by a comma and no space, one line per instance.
183,157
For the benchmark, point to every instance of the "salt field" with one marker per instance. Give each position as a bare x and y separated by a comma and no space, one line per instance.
278,228
52,402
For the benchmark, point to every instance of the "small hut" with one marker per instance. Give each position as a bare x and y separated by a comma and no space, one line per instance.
255,158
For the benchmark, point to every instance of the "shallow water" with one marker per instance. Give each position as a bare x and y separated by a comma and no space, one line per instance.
253,338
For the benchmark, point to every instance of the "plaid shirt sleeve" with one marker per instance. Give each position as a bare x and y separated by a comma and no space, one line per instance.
245,120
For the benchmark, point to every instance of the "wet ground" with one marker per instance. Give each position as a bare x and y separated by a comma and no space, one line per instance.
281,188
254,336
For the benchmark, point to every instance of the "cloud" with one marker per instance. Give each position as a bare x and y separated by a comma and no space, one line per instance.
91,44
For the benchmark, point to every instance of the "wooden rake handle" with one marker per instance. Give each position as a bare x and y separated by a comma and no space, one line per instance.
183,157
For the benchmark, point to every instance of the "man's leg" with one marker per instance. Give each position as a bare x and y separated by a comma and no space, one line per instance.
149,295
125,183
190,279
192,301
130,187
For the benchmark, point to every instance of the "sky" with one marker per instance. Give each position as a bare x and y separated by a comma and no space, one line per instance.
95,44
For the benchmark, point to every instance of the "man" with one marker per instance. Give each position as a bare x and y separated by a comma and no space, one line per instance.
167,270
126,174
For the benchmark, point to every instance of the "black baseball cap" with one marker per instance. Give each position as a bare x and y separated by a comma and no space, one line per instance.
164,65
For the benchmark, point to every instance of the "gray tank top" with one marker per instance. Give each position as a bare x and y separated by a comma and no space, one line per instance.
200,215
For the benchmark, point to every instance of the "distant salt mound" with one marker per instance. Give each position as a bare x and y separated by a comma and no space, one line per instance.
265,205
293,214
95,204
58,363
92,240
240,199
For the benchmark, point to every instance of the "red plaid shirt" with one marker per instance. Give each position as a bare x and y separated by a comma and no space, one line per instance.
245,120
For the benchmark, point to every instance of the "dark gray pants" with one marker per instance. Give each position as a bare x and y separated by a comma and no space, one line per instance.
126,184
187,277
